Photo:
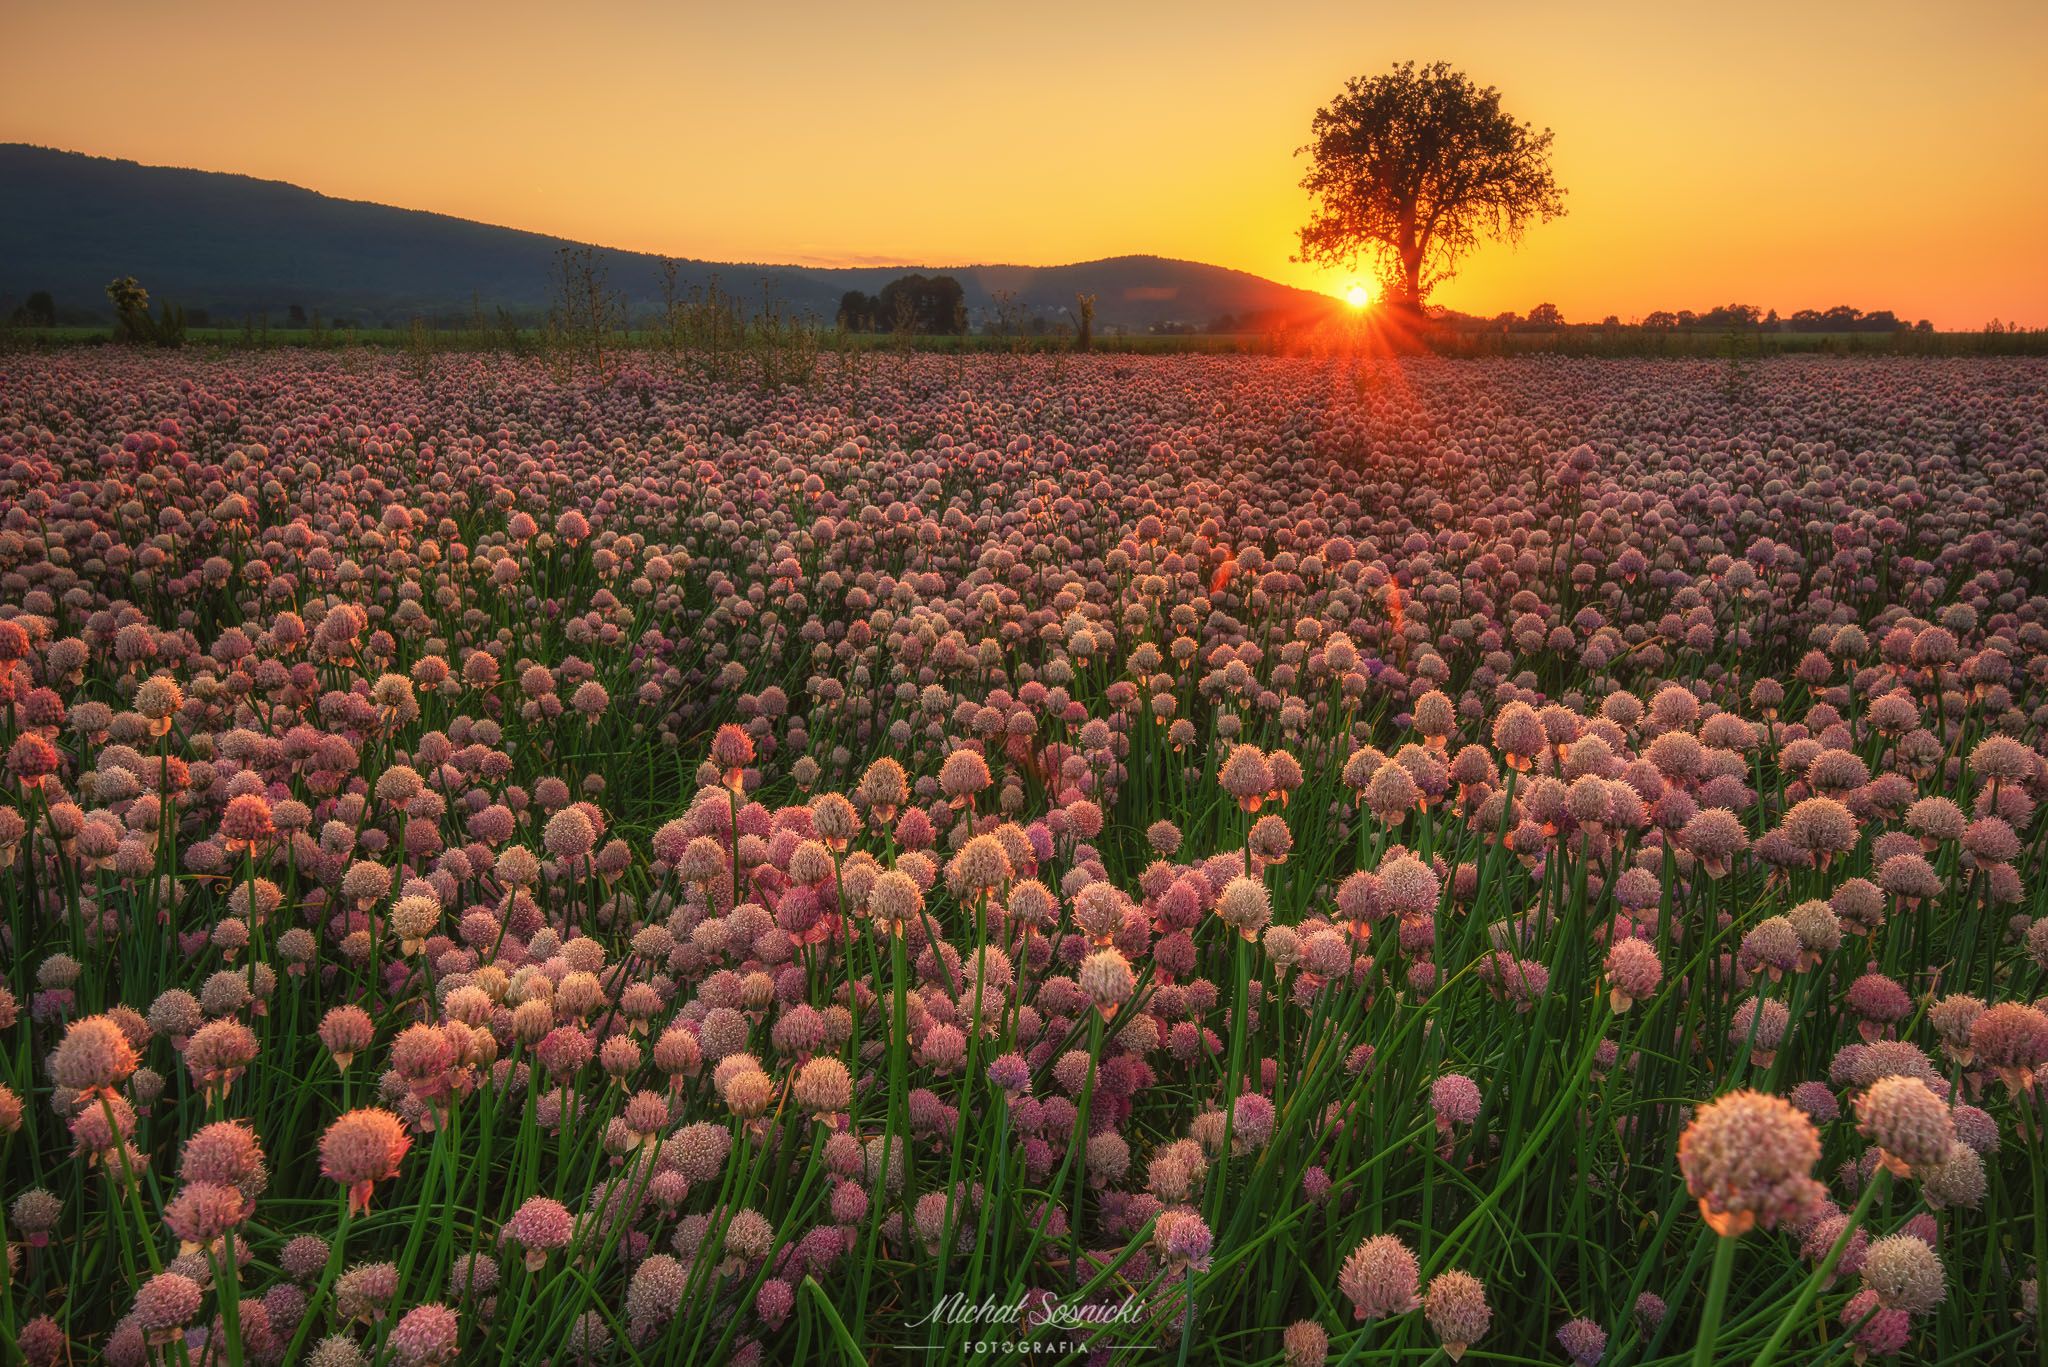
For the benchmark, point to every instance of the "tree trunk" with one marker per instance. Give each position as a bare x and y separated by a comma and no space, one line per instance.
1409,302
1408,246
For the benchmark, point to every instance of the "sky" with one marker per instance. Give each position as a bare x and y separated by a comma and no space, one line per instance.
1787,154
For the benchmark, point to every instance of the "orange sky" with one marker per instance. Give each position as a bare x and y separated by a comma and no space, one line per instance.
1787,154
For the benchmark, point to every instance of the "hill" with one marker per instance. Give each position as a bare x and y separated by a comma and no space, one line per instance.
236,246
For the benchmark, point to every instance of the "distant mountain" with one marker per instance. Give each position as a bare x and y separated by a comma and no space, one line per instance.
236,246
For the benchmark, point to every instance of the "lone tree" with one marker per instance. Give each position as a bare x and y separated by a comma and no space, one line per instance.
1410,169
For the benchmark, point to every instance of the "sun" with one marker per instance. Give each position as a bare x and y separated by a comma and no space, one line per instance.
1358,296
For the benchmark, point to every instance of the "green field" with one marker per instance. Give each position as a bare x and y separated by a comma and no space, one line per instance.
1572,341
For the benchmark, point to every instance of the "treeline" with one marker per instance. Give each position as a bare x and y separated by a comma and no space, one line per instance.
587,322
1724,318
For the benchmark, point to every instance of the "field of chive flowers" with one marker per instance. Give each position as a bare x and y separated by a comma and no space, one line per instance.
1171,860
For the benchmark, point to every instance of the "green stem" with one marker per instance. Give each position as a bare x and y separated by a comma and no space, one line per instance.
1717,1292
1872,1190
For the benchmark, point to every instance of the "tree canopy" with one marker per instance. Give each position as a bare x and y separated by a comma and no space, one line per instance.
1410,169
912,303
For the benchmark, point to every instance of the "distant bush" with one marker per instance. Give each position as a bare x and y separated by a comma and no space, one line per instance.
133,323
39,310
911,305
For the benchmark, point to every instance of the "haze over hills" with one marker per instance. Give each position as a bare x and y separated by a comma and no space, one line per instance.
237,246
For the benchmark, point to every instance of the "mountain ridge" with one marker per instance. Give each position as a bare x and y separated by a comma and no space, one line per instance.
234,245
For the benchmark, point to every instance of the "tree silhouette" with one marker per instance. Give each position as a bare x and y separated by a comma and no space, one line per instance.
859,312
922,304
1410,169
39,310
